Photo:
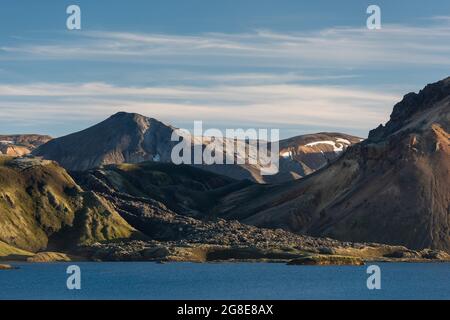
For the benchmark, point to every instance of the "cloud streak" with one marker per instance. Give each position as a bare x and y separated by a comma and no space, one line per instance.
253,105
343,46
261,92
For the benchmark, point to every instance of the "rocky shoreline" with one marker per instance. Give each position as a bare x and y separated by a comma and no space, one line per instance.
231,241
165,252
355,254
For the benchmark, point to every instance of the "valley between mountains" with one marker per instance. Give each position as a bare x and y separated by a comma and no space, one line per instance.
111,193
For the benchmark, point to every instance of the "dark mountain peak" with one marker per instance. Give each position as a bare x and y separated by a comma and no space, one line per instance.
122,115
411,104
426,98
131,118
123,137
127,118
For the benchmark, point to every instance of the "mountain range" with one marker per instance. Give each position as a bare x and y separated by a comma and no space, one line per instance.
110,192
133,138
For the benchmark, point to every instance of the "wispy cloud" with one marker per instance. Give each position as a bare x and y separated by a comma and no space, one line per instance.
349,47
279,105
445,19
259,92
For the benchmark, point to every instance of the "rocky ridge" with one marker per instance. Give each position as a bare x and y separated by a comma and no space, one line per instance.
392,188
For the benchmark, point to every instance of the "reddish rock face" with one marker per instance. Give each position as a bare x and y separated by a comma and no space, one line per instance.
392,188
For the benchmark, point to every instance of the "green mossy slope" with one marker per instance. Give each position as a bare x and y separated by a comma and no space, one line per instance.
38,200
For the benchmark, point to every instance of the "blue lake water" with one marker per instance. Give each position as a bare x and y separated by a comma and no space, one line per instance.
145,280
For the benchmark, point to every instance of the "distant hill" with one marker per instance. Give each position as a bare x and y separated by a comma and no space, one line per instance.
133,138
21,144
315,151
124,137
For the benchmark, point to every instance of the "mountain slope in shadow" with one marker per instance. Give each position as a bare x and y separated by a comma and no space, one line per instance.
392,188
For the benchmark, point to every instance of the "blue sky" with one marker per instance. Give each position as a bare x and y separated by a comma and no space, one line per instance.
301,66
